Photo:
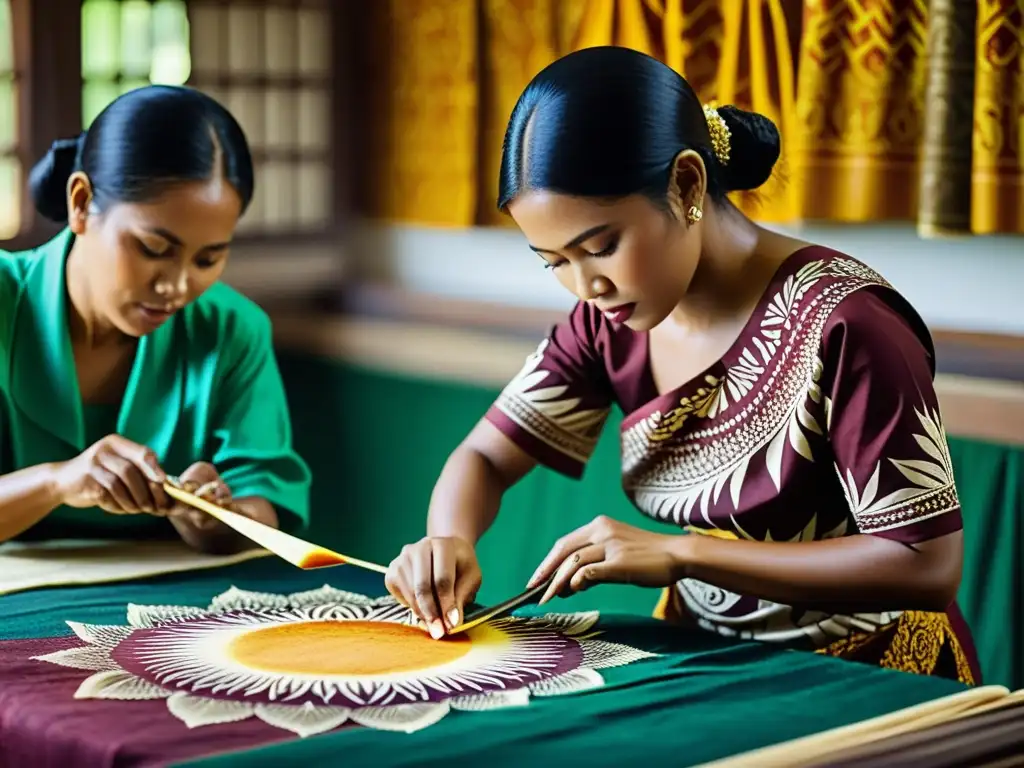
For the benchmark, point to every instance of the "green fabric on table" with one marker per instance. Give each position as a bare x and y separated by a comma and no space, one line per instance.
44,612
990,479
377,442
706,698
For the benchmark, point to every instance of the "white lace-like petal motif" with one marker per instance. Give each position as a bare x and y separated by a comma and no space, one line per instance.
236,660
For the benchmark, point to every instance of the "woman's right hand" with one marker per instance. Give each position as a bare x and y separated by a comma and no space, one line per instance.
435,578
116,475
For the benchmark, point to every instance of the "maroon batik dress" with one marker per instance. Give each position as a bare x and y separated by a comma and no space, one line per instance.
820,421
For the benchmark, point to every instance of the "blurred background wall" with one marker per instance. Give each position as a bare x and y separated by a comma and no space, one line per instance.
402,300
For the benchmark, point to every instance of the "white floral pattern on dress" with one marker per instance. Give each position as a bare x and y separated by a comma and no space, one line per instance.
547,414
769,416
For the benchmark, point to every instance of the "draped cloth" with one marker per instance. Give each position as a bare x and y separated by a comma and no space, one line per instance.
911,110
898,110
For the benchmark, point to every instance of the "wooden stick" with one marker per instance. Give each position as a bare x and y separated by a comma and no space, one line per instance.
296,551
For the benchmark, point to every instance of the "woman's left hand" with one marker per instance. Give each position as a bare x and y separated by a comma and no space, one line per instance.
202,480
607,551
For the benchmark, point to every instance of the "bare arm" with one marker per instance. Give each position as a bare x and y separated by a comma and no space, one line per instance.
468,492
860,573
26,497
439,574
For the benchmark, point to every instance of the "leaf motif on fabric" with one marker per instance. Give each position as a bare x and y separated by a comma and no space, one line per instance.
603,654
577,681
736,481
88,657
516,697
146,616
572,624
405,718
305,720
119,685
236,599
328,595
197,711
925,477
103,636
773,456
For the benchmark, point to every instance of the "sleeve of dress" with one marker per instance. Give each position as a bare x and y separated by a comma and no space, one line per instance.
8,305
556,406
884,424
251,430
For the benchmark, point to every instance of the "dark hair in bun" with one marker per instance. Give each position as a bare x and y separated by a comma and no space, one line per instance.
610,121
144,141
48,179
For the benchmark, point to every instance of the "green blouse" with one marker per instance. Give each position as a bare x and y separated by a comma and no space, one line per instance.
205,386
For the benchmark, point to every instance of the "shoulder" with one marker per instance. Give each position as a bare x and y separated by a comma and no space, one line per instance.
15,270
224,314
15,267
229,327
860,309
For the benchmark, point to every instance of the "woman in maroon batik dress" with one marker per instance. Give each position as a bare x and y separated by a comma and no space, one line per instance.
778,395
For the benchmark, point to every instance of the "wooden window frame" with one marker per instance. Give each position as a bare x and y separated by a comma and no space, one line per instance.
47,44
337,85
48,60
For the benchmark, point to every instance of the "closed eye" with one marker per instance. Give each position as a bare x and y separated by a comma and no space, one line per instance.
603,253
606,251
207,262
149,253
552,264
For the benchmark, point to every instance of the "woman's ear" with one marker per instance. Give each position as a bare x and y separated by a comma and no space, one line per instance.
687,185
79,200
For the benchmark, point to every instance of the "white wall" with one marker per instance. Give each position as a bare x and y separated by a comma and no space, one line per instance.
970,284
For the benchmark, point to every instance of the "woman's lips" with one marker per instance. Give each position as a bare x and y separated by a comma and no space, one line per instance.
155,315
621,313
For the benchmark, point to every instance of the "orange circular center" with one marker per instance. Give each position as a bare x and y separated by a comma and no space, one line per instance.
361,648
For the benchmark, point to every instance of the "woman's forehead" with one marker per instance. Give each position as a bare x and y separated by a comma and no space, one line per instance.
558,218
195,213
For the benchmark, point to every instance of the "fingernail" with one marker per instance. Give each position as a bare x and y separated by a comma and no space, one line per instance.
436,630
453,617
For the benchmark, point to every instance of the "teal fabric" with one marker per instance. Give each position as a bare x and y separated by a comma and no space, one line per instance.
376,443
205,386
990,479
703,698
100,421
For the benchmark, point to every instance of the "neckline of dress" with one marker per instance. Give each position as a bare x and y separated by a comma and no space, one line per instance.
649,389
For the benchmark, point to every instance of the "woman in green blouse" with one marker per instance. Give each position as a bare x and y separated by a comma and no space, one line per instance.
122,357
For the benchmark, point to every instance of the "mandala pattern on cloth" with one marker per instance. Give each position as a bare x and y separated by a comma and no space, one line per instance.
313,661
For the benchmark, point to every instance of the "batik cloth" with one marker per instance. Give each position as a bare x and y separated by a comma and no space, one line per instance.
693,677
820,421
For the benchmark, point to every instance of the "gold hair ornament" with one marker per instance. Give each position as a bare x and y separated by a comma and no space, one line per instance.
720,133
